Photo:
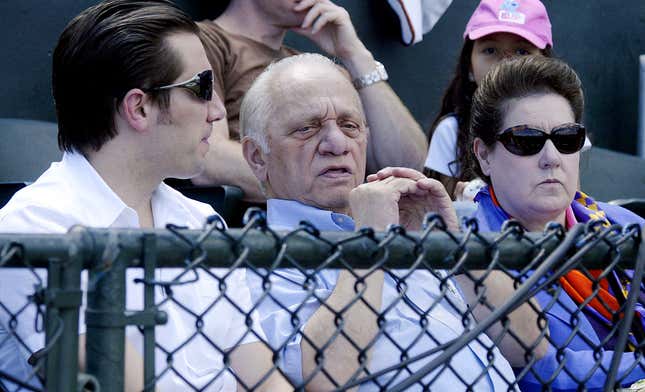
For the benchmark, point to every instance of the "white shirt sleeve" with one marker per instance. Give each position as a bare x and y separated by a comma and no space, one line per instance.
443,147
34,219
19,283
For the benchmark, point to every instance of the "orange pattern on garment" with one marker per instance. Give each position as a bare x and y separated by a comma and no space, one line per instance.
575,283
580,287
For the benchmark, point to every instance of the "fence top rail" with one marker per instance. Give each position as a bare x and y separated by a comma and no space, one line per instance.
261,247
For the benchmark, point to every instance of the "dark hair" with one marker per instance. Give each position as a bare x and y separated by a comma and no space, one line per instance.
457,101
517,78
105,51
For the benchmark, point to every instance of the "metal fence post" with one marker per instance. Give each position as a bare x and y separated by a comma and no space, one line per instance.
105,318
641,107
51,327
149,263
63,298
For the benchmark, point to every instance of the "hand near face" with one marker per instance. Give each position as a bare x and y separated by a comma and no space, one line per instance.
376,204
458,193
467,190
330,27
428,196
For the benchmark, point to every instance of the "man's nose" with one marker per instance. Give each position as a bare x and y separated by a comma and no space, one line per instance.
334,140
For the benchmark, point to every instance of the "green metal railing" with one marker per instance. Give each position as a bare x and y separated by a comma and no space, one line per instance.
107,254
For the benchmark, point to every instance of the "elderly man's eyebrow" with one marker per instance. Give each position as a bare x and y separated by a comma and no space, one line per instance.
350,113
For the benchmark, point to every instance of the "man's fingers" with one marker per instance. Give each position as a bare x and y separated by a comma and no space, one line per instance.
315,13
405,172
459,190
323,13
384,173
433,187
304,4
401,185
322,21
372,178
404,186
310,18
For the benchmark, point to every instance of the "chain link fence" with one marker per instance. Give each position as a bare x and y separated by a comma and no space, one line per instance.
379,311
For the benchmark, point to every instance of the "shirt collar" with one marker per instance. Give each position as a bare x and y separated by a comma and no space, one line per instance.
94,195
287,214
107,208
569,218
168,205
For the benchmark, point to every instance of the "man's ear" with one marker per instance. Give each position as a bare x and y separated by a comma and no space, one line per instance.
136,109
255,157
482,152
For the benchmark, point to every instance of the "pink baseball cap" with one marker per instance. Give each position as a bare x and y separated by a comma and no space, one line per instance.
526,18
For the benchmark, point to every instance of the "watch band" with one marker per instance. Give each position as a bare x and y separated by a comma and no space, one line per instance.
379,74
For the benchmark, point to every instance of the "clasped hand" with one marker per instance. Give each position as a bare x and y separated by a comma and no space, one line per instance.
402,196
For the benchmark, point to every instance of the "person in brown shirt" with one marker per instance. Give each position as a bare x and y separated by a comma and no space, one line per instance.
249,35
237,61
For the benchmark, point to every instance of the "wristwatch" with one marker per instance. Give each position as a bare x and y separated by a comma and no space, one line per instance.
379,74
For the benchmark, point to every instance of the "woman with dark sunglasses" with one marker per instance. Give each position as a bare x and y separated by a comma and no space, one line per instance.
526,139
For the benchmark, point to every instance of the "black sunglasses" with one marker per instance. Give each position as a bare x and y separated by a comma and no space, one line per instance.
525,140
201,84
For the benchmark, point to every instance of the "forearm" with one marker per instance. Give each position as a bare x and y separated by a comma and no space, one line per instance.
359,324
225,165
523,322
251,362
396,139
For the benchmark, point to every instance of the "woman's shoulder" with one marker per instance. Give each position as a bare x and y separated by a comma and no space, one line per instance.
447,127
620,215
443,146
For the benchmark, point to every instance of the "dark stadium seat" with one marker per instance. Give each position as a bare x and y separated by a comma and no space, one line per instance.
226,199
636,205
27,148
7,189
608,175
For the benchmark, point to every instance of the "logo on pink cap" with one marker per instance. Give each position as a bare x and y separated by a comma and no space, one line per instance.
508,12
526,18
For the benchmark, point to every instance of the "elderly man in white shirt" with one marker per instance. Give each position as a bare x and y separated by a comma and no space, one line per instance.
130,115
305,137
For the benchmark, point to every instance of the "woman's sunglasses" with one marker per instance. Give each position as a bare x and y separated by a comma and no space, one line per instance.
525,140
201,85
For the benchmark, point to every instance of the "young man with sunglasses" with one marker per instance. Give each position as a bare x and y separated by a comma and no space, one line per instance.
250,34
131,114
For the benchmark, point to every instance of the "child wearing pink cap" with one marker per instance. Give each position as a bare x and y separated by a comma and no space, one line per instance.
496,30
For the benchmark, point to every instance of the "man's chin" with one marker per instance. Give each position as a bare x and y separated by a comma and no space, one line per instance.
189,173
334,202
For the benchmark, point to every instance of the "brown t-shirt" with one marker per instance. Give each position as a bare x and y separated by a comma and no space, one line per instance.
236,62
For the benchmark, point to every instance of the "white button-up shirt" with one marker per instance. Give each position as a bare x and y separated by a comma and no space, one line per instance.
402,330
71,193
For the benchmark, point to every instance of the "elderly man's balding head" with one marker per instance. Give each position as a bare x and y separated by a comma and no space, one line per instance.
304,131
268,89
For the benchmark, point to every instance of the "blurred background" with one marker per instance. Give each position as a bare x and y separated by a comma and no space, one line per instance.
601,39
